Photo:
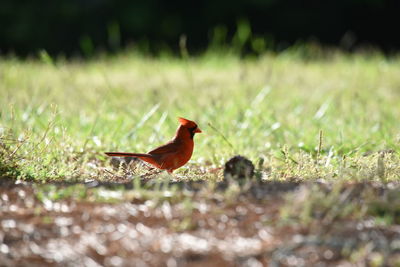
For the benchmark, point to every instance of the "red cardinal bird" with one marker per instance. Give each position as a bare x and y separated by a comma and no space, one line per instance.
173,154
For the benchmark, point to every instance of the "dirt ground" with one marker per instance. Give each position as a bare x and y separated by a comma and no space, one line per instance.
202,229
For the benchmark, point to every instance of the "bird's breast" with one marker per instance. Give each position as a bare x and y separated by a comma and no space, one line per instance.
184,154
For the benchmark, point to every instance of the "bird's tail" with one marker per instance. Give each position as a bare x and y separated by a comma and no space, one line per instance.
145,157
123,154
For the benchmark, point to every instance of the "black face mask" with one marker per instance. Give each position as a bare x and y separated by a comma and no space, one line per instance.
191,131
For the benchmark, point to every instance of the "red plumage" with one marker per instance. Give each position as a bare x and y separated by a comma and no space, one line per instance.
173,154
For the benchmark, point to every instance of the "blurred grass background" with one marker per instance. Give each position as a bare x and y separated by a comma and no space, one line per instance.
304,112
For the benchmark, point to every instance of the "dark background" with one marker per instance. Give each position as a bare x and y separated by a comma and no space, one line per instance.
86,26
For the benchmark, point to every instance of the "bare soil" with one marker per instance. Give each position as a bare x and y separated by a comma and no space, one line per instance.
212,230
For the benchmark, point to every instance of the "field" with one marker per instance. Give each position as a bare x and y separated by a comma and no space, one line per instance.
321,128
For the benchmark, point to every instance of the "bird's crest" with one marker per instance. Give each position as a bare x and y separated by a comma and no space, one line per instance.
187,123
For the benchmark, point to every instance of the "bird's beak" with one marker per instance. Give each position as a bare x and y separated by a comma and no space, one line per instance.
197,130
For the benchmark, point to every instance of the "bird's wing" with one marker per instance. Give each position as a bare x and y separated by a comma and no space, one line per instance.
170,147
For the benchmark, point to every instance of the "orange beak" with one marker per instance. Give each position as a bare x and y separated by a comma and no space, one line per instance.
197,130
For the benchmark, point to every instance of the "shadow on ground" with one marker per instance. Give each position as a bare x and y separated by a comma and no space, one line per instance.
224,224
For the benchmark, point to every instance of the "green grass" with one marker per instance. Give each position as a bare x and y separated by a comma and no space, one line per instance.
331,116
302,114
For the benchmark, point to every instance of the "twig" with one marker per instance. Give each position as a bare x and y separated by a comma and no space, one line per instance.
319,145
150,173
222,135
17,148
114,175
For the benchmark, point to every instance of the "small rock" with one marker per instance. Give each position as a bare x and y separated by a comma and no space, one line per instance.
238,167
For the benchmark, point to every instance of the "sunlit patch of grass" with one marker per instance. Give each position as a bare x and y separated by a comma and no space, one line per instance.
333,204
346,217
115,194
51,193
61,116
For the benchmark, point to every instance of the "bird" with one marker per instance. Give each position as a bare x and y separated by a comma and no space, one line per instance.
173,154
